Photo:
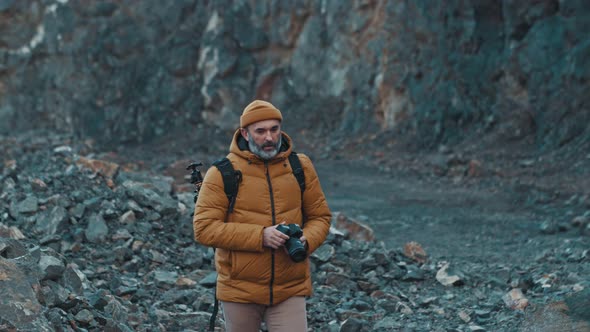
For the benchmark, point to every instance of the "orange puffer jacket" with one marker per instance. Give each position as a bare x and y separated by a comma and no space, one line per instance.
268,195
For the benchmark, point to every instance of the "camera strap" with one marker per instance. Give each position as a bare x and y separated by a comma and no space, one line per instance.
214,313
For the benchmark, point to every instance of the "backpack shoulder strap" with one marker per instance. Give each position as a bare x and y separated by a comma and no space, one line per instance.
300,176
297,170
231,180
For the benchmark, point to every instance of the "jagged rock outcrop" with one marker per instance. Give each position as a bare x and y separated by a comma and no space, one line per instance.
437,72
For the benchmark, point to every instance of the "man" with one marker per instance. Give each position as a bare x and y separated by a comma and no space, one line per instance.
257,280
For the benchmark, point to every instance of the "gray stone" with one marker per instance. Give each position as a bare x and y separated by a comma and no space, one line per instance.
121,234
324,253
354,325
413,273
51,267
78,210
97,229
50,222
84,316
205,302
48,239
210,280
54,294
549,227
122,254
193,257
57,317
147,196
108,209
28,205
157,256
74,279
92,204
117,311
99,299
165,278
158,183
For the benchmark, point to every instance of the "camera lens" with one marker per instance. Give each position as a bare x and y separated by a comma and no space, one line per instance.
293,245
296,250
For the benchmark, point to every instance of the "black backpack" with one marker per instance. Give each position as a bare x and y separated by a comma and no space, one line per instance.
231,183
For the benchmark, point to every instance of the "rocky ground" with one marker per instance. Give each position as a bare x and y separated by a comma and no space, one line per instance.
454,240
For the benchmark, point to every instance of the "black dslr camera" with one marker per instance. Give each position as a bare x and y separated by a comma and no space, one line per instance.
294,246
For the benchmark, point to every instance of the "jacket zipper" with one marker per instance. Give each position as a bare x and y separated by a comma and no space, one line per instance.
272,209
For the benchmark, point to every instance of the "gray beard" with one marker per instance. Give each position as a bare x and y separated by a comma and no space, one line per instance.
257,149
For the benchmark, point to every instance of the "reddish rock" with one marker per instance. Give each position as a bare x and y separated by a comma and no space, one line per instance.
474,168
356,229
38,185
515,299
105,168
414,251
11,232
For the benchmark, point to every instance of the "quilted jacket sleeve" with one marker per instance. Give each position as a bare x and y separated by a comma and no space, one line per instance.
210,228
315,207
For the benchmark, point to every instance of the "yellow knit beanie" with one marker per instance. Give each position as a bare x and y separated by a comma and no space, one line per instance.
259,110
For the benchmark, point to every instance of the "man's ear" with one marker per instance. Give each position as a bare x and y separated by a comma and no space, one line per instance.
244,133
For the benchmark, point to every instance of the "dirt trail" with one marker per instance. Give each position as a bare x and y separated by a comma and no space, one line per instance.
451,221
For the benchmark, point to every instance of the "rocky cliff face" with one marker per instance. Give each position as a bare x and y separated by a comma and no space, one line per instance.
438,71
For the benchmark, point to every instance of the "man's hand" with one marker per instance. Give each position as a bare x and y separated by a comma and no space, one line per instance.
273,238
303,241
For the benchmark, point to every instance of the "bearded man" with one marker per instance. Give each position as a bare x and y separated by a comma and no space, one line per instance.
257,279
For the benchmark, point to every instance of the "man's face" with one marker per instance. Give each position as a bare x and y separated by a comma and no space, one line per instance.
264,138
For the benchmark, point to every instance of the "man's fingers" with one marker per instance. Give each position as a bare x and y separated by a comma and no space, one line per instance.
276,242
275,238
282,235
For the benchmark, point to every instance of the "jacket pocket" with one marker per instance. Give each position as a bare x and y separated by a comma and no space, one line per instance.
250,266
223,261
287,270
